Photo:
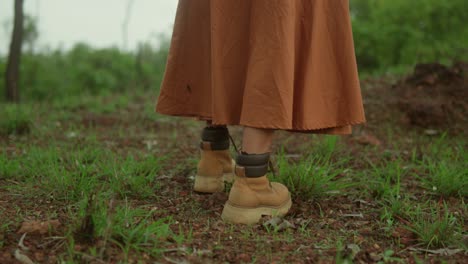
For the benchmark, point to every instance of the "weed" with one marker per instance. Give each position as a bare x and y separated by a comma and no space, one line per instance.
9,168
387,256
314,177
446,170
131,177
326,147
63,175
438,228
134,229
384,181
118,223
15,119
393,207
4,228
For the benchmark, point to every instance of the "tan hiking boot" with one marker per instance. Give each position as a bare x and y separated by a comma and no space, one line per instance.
252,194
216,165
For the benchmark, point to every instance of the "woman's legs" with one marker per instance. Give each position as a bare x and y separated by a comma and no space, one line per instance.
257,141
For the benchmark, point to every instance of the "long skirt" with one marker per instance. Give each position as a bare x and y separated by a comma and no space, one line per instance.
273,64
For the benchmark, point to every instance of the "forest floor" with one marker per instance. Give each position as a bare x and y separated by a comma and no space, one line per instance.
106,180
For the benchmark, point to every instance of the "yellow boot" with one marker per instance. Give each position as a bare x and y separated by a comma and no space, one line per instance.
216,165
252,194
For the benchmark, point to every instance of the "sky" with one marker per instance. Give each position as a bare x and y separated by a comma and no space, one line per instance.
62,23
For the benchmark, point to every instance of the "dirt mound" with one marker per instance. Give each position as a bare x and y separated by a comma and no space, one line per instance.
435,96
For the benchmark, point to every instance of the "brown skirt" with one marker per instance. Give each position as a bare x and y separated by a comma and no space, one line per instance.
276,64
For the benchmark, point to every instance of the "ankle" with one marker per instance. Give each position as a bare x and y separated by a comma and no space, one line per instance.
252,165
215,138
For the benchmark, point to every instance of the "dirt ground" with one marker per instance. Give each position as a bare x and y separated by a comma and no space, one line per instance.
433,97
426,103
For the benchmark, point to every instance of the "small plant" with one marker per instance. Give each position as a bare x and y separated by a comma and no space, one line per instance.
313,177
15,119
446,171
9,167
438,228
4,228
102,218
394,207
384,182
389,258
133,177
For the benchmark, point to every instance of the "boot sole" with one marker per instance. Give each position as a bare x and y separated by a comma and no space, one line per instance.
250,216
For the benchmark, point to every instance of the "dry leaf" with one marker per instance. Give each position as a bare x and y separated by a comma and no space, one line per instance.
38,227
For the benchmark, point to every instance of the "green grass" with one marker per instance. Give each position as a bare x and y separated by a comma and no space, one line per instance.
445,169
436,227
383,181
4,228
313,177
321,172
66,174
15,119
9,168
109,222
109,187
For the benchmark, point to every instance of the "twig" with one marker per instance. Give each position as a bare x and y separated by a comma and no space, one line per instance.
360,215
181,249
91,258
51,240
22,258
21,243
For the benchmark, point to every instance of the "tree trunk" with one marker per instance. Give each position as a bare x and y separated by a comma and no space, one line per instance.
128,14
12,70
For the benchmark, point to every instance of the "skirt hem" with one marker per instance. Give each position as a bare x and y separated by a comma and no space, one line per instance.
339,127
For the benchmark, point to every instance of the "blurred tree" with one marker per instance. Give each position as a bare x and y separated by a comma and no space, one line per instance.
14,58
402,33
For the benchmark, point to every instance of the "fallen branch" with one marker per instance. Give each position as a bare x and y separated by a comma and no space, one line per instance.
441,252
21,243
22,258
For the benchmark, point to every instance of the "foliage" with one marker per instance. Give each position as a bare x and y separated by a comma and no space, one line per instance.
86,70
389,36
15,119
398,33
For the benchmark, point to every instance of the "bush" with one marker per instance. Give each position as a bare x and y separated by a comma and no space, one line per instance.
15,119
392,34
84,70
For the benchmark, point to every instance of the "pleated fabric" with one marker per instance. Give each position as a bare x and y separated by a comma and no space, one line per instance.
276,64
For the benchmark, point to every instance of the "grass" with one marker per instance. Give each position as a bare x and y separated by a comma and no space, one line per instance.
446,170
117,223
437,227
317,174
9,168
123,190
67,174
384,180
15,119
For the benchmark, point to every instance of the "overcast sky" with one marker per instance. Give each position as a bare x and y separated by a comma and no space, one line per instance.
97,22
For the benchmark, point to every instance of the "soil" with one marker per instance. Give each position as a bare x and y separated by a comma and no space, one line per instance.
432,98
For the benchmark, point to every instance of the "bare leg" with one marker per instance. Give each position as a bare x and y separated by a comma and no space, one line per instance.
257,141
210,124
